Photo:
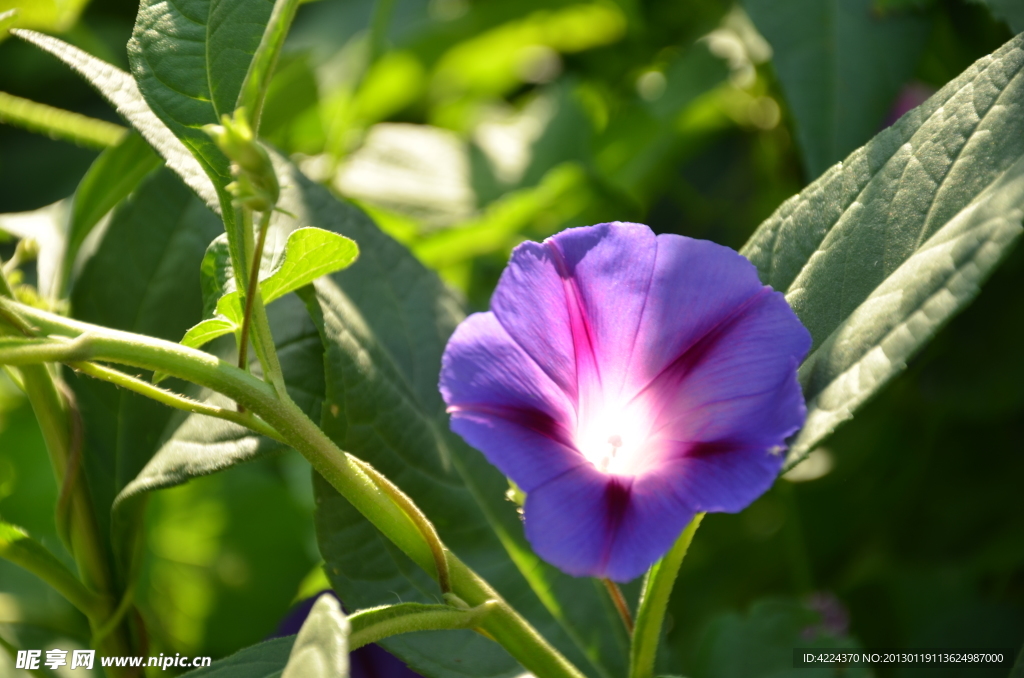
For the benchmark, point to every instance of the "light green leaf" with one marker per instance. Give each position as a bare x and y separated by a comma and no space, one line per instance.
265,660
121,91
53,16
189,59
321,647
207,331
257,80
308,254
840,67
215,274
113,175
877,254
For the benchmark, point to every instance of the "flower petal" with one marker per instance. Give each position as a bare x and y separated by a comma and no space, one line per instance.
591,524
737,382
504,405
695,285
722,476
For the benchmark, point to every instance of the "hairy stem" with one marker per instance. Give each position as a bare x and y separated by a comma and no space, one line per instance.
343,471
654,598
175,400
372,625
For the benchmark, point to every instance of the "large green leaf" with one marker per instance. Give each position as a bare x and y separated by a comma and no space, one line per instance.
121,91
114,174
840,66
140,279
386,320
189,59
879,252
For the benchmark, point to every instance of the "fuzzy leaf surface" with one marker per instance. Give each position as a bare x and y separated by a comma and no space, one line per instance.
877,254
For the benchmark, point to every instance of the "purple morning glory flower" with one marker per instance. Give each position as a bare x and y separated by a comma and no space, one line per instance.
626,381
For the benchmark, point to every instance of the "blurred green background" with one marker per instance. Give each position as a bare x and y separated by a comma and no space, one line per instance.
464,128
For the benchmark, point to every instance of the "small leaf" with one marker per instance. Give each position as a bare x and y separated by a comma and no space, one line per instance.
207,331
121,91
321,647
877,254
308,254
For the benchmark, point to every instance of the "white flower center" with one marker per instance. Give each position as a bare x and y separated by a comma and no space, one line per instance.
613,439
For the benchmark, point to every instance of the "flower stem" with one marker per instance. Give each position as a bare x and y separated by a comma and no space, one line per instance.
620,604
344,472
653,602
372,625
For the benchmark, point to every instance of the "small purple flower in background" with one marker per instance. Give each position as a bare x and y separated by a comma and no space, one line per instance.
626,381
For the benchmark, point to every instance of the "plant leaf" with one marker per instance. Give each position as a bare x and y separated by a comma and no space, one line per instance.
308,254
1010,11
189,59
265,660
261,68
113,175
123,94
321,647
877,254
141,278
840,66
761,643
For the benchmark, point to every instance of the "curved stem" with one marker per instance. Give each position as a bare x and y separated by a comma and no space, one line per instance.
372,625
175,400
654,598
343,471
19,548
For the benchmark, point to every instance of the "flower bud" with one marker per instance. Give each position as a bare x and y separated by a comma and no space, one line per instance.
255,184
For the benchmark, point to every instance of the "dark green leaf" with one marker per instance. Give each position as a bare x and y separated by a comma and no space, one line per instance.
761,643
878,253
121,91
189,59
265,660
140,279
840,67
114,174
1010,11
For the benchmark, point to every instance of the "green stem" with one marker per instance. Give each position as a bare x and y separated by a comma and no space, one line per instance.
175,400
343,471
54,418
654,598
57,123
252,290
372,625
261,68
19,548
